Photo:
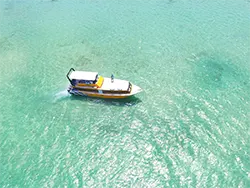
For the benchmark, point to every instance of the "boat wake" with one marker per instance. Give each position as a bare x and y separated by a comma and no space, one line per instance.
61,95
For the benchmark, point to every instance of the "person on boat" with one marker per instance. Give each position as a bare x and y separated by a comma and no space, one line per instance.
112,78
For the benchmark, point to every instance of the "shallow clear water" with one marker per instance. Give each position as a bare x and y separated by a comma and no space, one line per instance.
190,126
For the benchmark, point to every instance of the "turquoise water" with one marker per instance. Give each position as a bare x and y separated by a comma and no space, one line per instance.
190,126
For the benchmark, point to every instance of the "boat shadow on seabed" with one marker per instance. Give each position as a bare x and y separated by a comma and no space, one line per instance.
129,101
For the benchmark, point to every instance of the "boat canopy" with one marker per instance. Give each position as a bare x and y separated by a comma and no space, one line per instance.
83,75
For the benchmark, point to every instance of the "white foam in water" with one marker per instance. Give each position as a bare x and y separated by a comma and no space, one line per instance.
61,95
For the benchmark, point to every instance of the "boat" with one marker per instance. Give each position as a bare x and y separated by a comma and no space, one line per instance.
92,84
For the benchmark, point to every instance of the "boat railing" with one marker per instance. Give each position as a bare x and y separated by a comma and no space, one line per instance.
70,70
129,87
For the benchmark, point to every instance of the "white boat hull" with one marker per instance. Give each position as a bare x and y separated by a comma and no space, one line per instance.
99,94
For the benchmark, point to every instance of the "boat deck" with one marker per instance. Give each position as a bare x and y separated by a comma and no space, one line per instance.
117,85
